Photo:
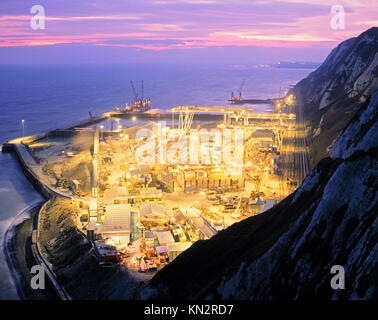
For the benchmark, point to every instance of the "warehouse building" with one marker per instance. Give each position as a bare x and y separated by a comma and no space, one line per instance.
174,249
117,225
165,237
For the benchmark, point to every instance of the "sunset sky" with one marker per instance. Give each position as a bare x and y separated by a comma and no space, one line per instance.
177,30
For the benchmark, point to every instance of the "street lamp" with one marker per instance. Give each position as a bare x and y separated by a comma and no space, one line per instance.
102,132
23,127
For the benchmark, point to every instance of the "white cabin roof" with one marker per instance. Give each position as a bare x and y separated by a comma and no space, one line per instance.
151,208
117,216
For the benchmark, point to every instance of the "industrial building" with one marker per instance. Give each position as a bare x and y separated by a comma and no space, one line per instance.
116,224
174,249
165,237
151,208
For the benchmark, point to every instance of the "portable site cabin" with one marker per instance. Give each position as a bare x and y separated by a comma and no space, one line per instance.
162,253
151,194
75,185
125,200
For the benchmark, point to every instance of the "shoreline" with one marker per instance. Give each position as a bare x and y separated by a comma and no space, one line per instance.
9,236
19,256
47,194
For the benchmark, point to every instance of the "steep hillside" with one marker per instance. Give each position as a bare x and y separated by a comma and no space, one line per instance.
288,251
74,260
336,90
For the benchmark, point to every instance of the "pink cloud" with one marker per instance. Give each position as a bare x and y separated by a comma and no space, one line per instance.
185,24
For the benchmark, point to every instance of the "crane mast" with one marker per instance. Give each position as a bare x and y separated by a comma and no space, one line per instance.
142,91
240,89
134,91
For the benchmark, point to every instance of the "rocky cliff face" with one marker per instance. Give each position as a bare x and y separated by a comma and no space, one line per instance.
288,251
74,260
336,90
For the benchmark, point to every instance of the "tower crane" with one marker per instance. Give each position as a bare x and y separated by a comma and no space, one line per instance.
134,91
142,91
240,89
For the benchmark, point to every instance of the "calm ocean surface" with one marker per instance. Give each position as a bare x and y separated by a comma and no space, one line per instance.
52,96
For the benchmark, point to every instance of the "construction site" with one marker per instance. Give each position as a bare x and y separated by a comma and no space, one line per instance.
146,192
